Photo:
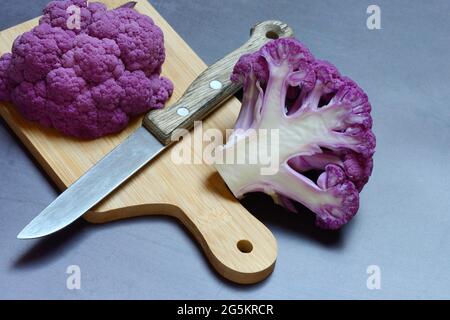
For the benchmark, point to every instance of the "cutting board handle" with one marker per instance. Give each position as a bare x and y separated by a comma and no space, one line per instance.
212,87
239,246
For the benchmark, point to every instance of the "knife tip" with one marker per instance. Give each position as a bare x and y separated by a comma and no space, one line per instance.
24,235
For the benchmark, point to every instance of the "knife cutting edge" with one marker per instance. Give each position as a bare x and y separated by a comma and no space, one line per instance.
211,88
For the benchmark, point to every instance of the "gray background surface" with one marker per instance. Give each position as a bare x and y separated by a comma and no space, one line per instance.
403,223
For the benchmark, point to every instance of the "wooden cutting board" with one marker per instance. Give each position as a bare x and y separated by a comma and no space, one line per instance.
239,246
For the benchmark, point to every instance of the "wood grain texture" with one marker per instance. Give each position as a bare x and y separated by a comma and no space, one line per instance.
200,98
195,194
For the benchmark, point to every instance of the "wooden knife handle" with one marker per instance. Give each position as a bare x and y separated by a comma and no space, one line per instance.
211,88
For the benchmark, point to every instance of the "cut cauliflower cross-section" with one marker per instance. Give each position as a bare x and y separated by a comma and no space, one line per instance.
325,144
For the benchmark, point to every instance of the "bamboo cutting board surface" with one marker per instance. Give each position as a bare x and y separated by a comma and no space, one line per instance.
239,247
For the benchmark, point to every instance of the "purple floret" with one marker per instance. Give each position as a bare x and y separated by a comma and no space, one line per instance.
250,64
335,181
358,168
138,90
325,129
93,59
139,39
64,85
86,82
162,89
5,85
108,94
328,77
31,101
57,14
37,52
286,50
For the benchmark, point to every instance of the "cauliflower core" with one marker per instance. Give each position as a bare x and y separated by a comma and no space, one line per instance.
325,139
86,82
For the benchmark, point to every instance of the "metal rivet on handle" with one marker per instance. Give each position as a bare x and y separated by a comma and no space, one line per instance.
182,111
215,84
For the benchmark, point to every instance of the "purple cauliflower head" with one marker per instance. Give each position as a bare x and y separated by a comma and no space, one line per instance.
323,119
86,82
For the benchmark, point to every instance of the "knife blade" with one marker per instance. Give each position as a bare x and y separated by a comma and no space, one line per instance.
103,177
211,88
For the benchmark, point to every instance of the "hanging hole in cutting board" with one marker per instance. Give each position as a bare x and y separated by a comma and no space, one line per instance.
245,246
272,34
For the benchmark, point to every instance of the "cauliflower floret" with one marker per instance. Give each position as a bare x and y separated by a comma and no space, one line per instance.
57,15
37,52
5,85
139,40
93,59
108,94
31,101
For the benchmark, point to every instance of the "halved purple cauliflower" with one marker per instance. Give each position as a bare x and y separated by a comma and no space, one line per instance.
325,147
86,82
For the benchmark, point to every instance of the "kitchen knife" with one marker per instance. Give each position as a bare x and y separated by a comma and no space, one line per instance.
211,88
